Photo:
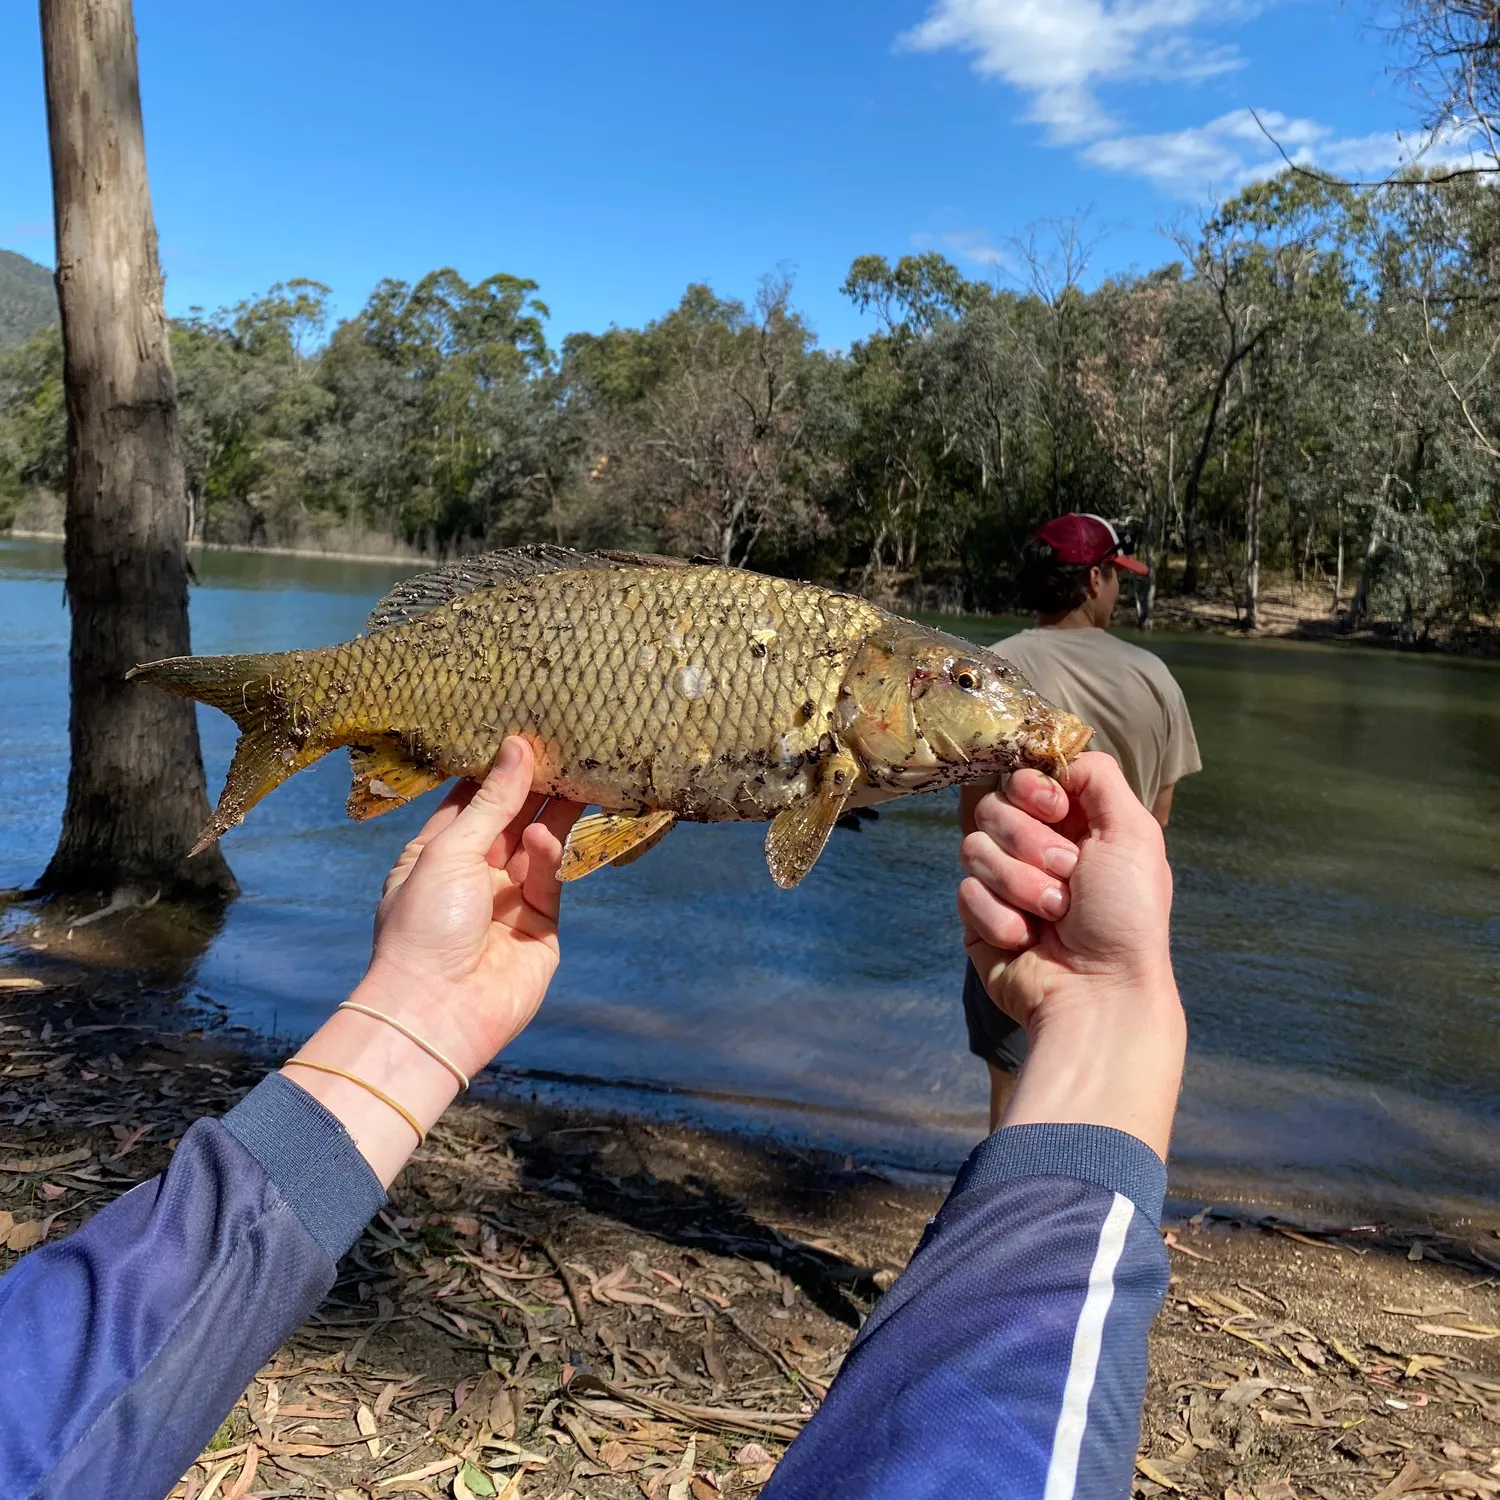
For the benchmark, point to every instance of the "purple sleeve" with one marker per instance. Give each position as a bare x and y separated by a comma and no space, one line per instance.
125,1344
1009,1359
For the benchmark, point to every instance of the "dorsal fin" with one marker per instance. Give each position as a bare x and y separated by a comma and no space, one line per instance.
418,596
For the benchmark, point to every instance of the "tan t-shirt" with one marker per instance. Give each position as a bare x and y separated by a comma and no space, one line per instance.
1126,695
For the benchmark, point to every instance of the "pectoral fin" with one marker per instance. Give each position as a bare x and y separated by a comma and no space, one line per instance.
385,776
611,839
796,836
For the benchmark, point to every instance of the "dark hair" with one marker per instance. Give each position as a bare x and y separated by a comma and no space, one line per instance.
1047,586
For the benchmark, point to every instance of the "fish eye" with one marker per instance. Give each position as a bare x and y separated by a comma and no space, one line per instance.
966,679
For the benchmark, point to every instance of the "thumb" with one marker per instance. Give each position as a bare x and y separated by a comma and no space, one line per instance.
996,970
494,806
1098,791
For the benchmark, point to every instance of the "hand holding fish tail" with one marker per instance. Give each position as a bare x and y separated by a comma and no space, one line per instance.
465,946
1066,911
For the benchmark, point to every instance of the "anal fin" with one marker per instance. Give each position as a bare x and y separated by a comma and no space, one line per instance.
796,836
612,839
386,777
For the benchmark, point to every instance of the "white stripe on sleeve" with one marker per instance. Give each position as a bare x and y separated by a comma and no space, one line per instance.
1067,1440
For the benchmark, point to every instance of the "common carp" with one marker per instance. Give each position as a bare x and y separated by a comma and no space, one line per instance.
655,689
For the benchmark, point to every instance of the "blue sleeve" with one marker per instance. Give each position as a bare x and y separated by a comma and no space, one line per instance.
125,1344
1009,1359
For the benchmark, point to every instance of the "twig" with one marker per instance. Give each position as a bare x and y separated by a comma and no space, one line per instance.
570,1284
1435,180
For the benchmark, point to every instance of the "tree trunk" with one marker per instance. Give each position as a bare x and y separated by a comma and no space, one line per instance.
136,795
1360,603
1338,572
1252,524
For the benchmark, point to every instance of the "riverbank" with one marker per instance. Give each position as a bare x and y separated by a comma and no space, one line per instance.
383,549
558,1303
1288,611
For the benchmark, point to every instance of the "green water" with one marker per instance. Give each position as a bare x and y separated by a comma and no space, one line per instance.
1337,932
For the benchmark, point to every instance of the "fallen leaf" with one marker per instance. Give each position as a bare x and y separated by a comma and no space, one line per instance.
52,1190
614,1454
472,1483
1344,1354
364,1419
752,1453
1477,1331
1410,1478
216,1479
29,1164
7,1223
23,1236
20,984
415,1476
1156,1474
1171,1241
1278,1488
247,1474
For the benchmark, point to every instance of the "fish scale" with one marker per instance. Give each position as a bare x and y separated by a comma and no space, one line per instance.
653,689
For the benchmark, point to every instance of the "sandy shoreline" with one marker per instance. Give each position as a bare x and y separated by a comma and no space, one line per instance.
1297,1355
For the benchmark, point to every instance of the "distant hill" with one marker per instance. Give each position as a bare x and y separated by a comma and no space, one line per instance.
28,301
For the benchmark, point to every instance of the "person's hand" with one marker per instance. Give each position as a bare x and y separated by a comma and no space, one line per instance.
466,931
1066,913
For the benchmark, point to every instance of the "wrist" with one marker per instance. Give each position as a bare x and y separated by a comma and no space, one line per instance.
382,1058
1111,1059
445,1022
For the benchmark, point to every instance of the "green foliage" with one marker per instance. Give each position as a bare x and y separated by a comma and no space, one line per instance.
1308,388
33,420
28,300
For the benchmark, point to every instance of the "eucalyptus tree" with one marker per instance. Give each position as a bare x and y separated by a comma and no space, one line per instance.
136,796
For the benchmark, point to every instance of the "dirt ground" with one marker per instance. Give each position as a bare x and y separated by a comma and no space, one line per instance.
1300,612
561,1305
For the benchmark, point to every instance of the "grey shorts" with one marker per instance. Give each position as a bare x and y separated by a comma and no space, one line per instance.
992,1034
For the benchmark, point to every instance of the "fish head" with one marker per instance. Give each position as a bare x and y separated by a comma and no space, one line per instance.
922,710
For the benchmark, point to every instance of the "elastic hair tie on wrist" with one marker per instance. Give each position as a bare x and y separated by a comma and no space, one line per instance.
412,1037
369,1088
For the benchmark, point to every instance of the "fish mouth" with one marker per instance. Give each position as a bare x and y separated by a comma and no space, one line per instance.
1056,750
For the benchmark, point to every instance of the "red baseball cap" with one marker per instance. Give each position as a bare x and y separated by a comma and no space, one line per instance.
1088,541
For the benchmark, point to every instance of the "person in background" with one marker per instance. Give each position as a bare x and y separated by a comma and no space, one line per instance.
1008,1359
1070,576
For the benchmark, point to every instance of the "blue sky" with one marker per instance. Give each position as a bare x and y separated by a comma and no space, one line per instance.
615,153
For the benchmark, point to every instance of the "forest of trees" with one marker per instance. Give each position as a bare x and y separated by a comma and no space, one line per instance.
1309,388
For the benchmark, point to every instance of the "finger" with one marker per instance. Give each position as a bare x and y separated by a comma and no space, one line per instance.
1014,881
989,962
541,848
993,920
1101,797
1038,795
503,850
1020,834
458,798
495,804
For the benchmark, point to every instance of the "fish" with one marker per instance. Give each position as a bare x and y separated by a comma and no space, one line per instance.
657,689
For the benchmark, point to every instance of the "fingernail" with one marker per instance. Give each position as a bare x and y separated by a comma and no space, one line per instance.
510,755
1052,901
1059,861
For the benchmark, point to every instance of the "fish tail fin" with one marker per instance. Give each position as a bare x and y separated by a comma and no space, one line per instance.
259,694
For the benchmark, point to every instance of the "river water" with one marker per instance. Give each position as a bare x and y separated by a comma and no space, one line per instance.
1337,929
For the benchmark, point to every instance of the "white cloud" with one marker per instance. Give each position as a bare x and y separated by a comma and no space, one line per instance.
1057,51
1226,154
972,245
